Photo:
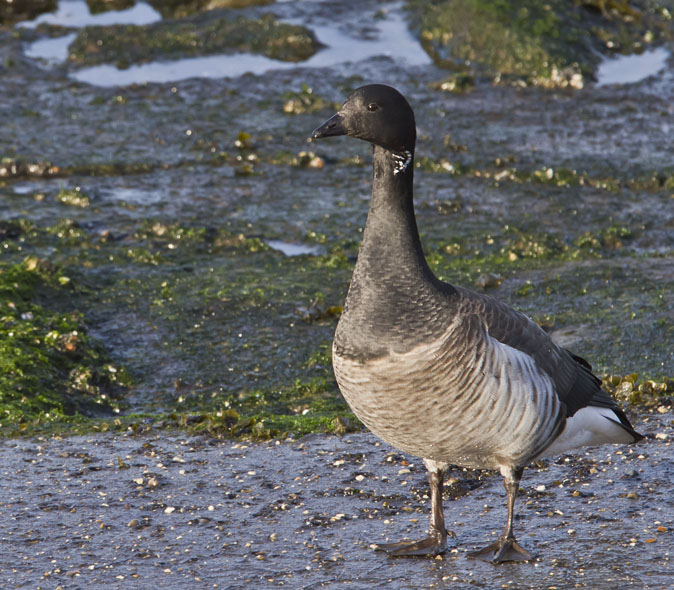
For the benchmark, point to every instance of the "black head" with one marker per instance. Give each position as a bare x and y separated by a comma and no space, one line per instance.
375,113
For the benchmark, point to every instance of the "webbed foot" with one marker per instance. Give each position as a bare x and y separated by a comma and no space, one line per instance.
502,550
436,542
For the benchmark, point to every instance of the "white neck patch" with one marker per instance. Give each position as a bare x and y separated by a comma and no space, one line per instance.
401,161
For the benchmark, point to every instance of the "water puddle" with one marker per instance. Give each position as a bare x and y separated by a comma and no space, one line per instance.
76,13
53,51
292,249
388,36
23,189
137,197
627,69
391,38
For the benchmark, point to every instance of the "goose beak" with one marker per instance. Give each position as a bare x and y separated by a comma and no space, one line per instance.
333,126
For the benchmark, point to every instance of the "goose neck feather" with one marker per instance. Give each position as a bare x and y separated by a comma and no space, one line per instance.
394,298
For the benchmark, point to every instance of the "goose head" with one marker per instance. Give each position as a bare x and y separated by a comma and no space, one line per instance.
375,113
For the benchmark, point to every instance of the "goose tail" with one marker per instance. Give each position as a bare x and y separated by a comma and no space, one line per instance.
592,426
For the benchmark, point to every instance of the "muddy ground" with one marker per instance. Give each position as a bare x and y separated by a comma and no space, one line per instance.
152,209
176,511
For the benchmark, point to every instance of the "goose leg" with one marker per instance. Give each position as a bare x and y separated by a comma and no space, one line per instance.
506,547
436,542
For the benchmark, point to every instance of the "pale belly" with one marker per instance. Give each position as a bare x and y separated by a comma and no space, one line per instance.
482,413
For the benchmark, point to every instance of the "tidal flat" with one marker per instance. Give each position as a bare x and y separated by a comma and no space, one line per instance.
174,253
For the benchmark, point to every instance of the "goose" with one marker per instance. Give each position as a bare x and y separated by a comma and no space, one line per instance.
442,372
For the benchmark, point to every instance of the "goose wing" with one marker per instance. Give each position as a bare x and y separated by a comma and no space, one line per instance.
575,384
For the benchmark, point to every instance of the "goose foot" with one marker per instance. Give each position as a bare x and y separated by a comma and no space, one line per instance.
506,548
436,542
502,550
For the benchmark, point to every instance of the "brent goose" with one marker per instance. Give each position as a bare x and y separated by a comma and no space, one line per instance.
437,370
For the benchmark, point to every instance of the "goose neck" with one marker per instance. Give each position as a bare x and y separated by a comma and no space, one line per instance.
391,232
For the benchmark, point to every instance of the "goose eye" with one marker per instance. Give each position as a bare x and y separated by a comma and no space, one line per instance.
373,106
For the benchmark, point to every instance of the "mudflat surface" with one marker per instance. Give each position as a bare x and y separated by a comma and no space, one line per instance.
173,511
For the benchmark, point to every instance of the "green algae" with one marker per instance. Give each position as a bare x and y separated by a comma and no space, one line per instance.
555,176
228,292
305,101
175,277
51,369
183,8
25,168
551,44
73,197
131,44
311,404
202,313
456,83
508,39
240,281
638,391
101,6
14,11
11,167
306,406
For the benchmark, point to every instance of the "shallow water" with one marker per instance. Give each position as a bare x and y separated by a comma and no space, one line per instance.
52,51
292,249
76,13
628,69
388,36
